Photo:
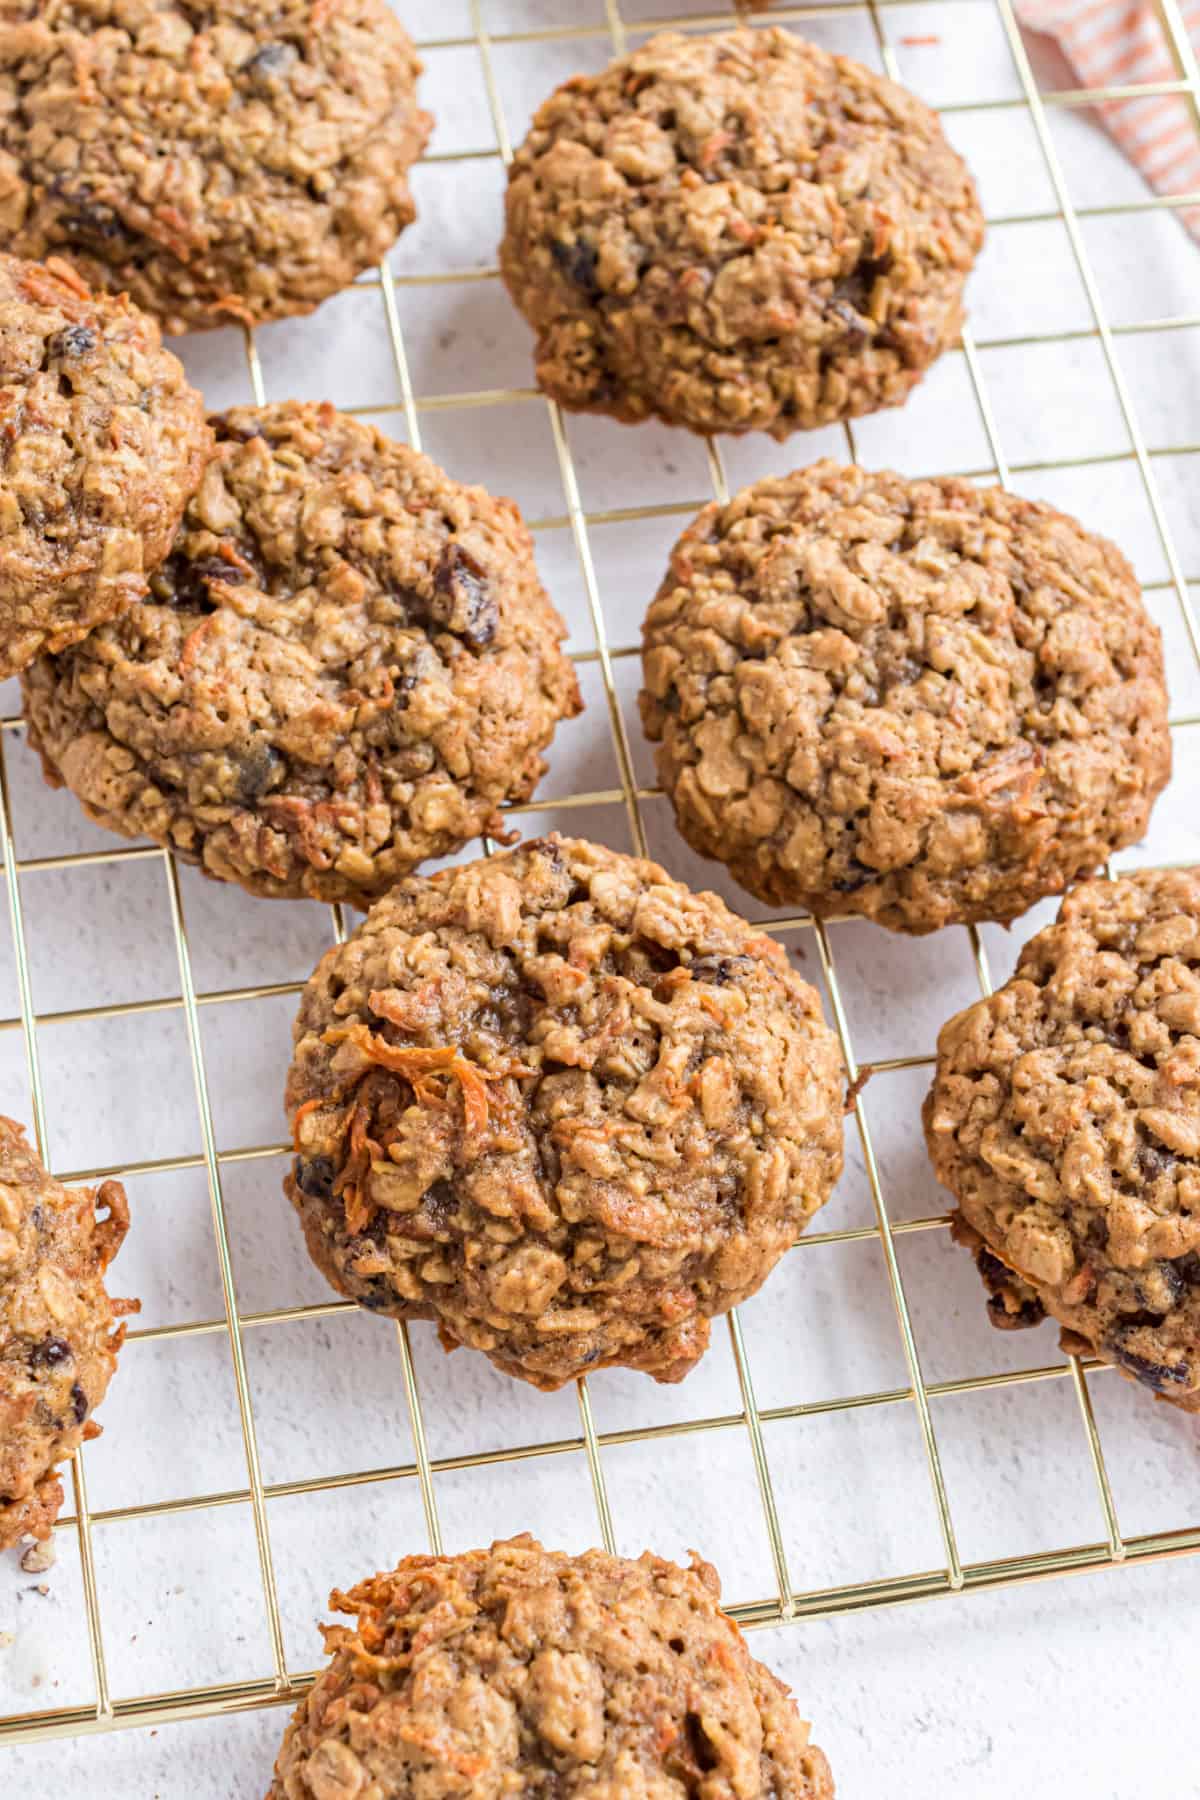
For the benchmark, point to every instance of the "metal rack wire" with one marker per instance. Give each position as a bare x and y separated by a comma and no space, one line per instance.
279,1683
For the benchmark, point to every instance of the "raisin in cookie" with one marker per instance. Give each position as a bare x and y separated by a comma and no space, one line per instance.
58,1348
345,665
563,1106
920,701
217,161
102,443
518,1670
1065,1119
735,233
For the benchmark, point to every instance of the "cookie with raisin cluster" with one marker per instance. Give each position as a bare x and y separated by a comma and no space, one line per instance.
1065,1119
102,444
346,664
563,1106
737,232
518,1670
228,160
58,1348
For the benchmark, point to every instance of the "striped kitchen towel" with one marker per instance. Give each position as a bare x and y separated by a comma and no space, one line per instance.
1123,43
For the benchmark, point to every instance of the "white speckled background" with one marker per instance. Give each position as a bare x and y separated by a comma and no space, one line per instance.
1079,1688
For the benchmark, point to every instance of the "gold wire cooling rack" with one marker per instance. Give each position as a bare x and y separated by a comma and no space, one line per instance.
280,1684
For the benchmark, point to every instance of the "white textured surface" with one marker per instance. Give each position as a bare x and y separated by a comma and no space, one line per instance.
1059,1691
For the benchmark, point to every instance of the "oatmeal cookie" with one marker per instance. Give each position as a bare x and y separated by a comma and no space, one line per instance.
561,1105
344,666
102,443
1065,1119
217,160
920,701
58,1348
518,1670
739,232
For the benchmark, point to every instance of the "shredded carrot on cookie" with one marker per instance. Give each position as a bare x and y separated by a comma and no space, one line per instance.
227,553
191,643
302,1113
351,1183
428,1070
418,1066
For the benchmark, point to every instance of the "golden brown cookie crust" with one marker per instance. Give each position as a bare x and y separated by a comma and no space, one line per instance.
1065,1118
58,1348
218,161
737,232
103,442
563,1106
921,701
345,666
521,1671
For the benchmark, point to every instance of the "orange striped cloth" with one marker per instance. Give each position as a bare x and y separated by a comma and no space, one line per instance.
1122,43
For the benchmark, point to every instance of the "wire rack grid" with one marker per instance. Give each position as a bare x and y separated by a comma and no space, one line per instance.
280,1683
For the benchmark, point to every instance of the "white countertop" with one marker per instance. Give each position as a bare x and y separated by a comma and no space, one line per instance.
1076,1688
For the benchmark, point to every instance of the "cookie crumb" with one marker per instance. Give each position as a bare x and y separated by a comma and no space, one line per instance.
39,1557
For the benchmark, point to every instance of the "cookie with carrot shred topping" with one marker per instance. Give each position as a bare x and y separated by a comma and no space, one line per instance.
521,1671
561,1105
58,1346
346,664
